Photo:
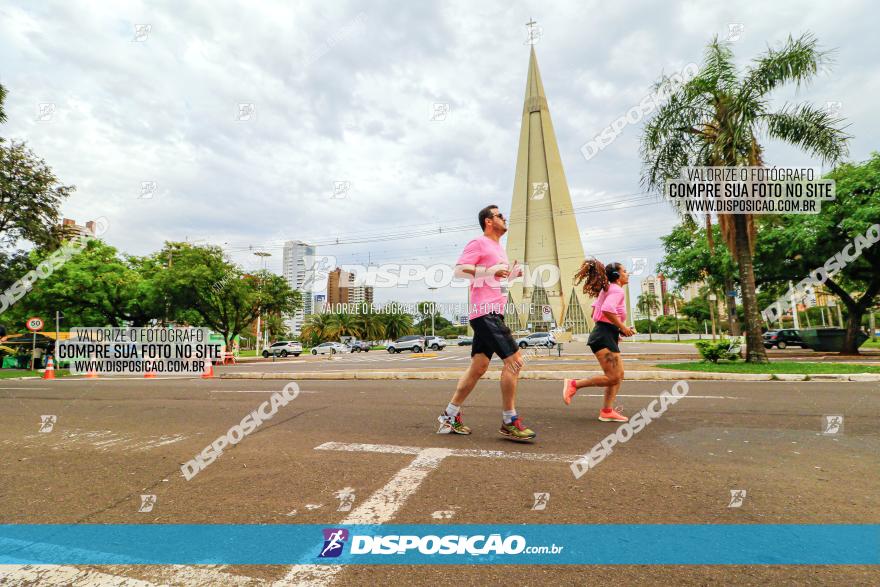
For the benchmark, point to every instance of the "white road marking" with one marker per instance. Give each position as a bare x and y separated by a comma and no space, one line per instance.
443,514
381,507
80,379
64,575
254,391
102,440
657,395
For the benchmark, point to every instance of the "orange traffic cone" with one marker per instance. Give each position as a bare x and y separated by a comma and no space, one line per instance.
91,374
151,374
208,373
49,373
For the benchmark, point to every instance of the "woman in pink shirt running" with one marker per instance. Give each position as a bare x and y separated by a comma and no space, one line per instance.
609,313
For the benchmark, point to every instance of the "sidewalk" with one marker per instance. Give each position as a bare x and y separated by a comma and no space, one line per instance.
494,375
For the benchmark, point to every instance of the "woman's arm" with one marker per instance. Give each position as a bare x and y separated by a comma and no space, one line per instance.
615,319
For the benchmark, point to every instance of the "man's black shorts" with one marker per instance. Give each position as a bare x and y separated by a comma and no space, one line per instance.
604,336
491,335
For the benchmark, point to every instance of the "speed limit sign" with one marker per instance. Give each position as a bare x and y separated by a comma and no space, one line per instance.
34,324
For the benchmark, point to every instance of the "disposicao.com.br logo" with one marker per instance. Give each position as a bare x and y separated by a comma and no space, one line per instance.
393,544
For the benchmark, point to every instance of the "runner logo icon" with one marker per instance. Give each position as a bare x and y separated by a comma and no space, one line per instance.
334,541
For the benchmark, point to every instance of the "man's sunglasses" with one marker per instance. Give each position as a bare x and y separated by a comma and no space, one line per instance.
499,215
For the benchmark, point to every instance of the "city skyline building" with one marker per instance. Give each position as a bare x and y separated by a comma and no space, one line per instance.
298,270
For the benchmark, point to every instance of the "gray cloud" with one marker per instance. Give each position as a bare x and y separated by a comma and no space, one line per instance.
344,92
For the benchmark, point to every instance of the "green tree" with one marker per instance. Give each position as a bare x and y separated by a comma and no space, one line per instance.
697,309
371,325
673,300
224,299
95,287
397,323
689,257
30,197
425,311
344,324
647,304
2,111
794,246
316,328
275,326
716,119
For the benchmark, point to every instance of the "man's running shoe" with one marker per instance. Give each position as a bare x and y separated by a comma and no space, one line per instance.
450,425
611,416
517,431
568,391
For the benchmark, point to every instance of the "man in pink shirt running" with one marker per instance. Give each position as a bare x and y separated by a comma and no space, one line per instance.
484,261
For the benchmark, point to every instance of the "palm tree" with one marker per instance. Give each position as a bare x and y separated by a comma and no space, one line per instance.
343,324
315,328
716,119
647,304
371,325
397,324
673,299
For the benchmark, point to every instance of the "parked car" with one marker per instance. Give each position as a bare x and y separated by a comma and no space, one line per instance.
542,339
783,338
329,348
282,348
357,346
413,342
435,343
465,341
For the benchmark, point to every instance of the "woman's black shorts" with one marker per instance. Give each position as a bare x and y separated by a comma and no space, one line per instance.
604,336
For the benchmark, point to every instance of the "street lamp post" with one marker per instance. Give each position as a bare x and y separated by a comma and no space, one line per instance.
433,309
262,255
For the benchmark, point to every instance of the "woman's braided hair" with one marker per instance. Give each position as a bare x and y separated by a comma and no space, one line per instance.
596,276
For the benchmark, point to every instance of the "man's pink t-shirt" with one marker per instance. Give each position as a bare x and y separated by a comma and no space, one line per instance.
486,293
610,300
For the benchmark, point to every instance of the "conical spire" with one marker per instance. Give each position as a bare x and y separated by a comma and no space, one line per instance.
543,229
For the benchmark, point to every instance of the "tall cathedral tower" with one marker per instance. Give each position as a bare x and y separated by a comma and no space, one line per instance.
542,227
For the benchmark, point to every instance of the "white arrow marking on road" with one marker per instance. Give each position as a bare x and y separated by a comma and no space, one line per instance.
380,507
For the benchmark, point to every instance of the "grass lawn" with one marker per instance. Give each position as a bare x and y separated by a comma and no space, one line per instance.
11,373
871,345
664,341
772,367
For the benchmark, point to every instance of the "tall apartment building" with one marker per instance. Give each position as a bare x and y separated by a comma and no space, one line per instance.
691,291
656,285
70,228
298,269
342,289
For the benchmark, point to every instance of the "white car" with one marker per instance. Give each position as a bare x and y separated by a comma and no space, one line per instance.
541,339
412,342
435,343
329,348
282,348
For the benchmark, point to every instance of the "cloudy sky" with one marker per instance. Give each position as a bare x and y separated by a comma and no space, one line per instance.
114,95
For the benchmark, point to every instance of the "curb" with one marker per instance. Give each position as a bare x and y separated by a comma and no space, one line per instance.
550,375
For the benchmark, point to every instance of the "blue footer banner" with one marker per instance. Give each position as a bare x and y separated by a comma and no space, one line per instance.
561,544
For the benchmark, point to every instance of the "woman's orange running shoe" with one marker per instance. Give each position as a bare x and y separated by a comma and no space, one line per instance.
568,391
611,416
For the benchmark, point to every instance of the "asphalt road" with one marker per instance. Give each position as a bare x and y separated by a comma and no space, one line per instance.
574,355
113,441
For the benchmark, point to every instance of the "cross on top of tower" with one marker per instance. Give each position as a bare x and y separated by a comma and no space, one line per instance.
534,32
